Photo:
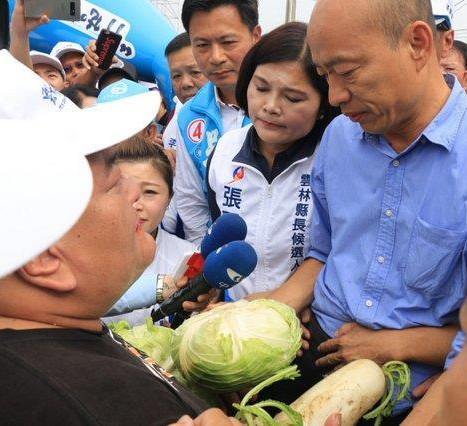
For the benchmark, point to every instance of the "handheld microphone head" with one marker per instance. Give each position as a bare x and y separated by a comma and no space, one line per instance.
228,227
230,264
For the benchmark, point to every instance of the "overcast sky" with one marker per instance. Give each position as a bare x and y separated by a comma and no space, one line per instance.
272,14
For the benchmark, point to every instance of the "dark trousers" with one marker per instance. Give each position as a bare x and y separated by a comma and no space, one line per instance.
289,390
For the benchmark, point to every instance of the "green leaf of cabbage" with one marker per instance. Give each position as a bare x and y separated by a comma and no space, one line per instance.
236,345
154,340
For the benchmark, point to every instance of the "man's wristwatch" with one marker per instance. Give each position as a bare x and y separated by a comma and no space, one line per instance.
159,288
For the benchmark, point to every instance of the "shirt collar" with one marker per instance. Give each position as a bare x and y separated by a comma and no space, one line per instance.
221,103
442,130
303,148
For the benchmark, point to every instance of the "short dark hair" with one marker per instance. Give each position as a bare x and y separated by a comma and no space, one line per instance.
78,92
283,44
247,9
461,47
137,149
179,42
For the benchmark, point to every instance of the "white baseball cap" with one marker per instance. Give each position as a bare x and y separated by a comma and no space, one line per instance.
44,188
24,95
63,47
44,58
443,11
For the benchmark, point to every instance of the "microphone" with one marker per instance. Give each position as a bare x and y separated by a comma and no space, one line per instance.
226,228
223,269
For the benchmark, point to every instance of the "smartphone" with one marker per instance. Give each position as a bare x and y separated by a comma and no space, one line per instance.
65,10
4,25
106,46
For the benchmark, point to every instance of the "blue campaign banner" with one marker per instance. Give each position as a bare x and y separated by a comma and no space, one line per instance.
146,33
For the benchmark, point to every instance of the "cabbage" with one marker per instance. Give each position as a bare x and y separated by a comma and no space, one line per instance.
236,345
154,340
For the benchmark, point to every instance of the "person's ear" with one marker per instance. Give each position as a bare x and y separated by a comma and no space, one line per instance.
49,271
150,132
463,80
257,31
420,39
67,84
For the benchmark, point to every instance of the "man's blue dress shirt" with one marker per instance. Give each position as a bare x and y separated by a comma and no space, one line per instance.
457,345
392,228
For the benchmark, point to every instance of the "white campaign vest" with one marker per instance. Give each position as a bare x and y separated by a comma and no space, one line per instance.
277,214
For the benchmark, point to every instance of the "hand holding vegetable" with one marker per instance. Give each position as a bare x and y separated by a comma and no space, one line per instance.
352,342
211,417
334,420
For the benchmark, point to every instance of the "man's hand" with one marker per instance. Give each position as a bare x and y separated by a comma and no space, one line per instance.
353,342
203,300
90,59
423,387
305,318
334,420
22,26
215,417
211,417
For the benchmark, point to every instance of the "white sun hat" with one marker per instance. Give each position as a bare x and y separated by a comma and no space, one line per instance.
44,58
44,188
24,95
64,47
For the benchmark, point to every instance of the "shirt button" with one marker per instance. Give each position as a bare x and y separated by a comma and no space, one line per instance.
388,212
380,259
395,163
369,303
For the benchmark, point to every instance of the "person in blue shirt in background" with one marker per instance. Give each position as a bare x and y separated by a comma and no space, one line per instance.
221,33
385,274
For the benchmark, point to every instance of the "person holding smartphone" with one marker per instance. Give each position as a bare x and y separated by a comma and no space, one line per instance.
20,27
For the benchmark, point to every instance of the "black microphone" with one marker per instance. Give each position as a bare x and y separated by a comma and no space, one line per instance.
223,269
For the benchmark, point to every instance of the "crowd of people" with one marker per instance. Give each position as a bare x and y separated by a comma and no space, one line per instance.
340,143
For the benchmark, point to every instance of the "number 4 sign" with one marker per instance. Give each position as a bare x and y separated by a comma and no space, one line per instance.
196,130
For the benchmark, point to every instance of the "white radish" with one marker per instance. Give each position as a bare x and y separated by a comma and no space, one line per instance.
352,391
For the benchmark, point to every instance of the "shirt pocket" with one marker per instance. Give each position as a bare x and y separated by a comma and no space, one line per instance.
432,256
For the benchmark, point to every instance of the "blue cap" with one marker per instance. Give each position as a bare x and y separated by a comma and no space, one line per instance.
119,90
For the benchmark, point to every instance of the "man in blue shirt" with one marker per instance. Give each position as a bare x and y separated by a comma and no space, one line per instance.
386,270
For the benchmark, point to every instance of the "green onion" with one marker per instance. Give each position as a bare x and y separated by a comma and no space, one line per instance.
256,414
397,375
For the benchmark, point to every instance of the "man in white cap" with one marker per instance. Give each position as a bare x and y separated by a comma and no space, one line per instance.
58,363
50,69
71,56
443,11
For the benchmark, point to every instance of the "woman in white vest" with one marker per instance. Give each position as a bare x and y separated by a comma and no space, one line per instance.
262,171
